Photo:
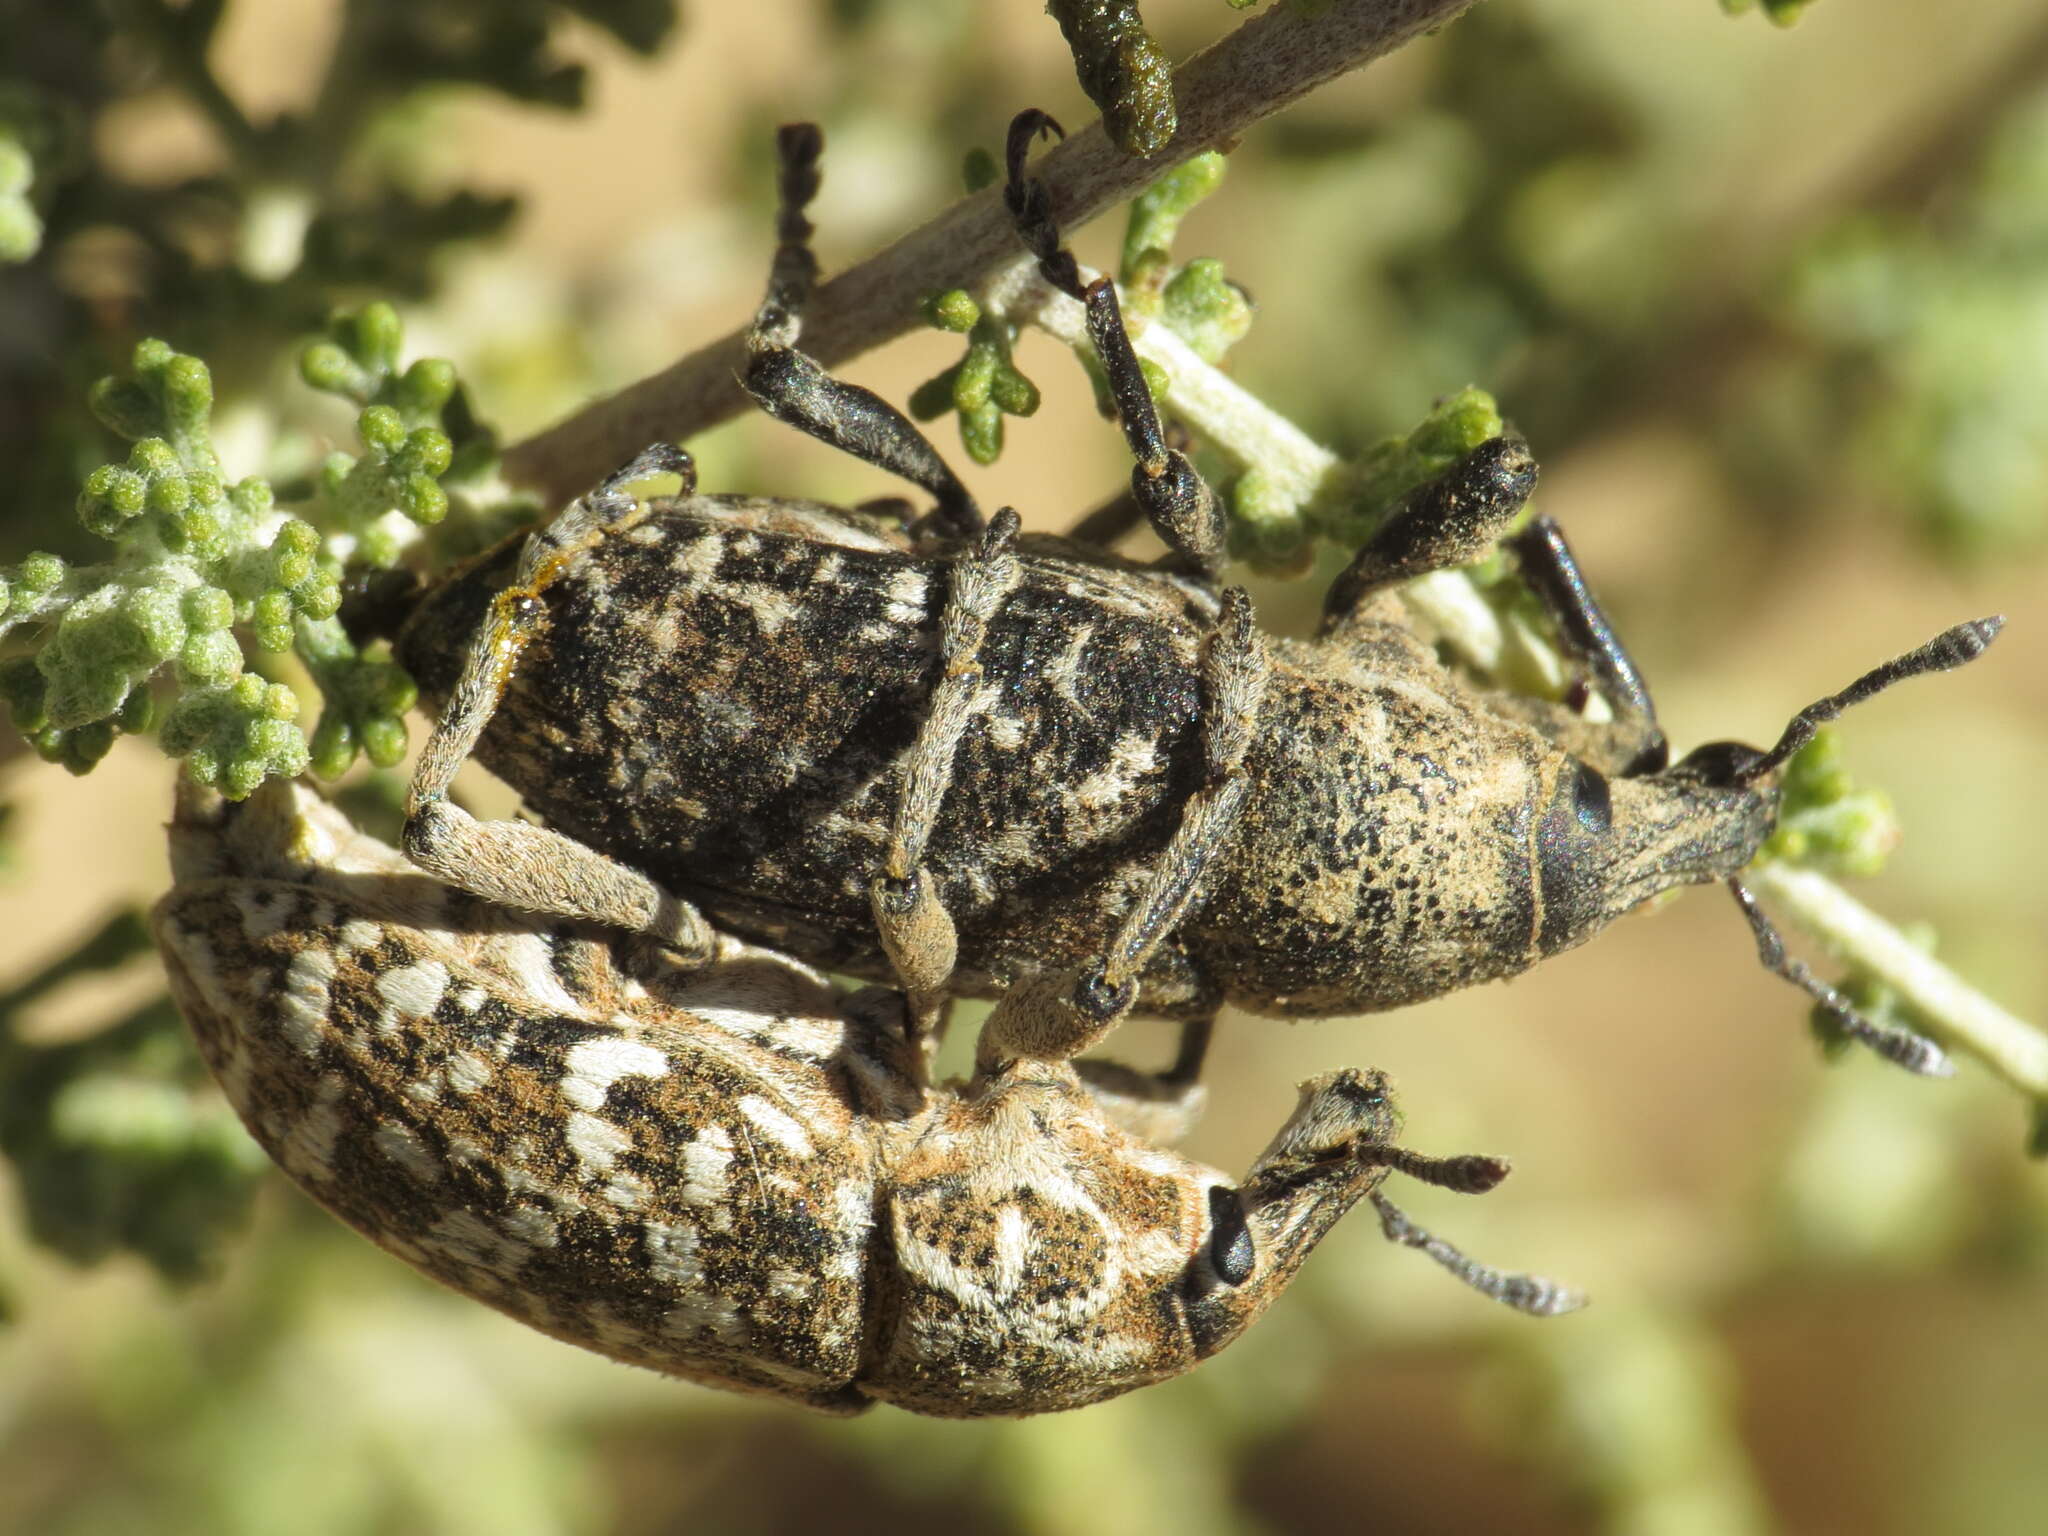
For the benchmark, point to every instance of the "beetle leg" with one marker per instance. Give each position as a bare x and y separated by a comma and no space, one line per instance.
1585,636
1059,1013
916,931
1182,508
1456,518
791,386
511,862
1159,1108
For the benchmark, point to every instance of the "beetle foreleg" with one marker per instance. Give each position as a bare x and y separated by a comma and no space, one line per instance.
1585,636
1180,505
1454,519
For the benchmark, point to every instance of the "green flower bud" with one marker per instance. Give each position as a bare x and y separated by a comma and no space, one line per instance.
953,310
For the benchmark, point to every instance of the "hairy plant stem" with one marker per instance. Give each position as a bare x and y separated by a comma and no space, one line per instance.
1281,54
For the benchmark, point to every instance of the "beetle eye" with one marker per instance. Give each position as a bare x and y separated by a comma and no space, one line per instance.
1592,803
1230,1237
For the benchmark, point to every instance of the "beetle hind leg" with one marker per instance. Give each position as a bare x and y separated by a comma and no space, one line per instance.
512,862
917,932
1059,1013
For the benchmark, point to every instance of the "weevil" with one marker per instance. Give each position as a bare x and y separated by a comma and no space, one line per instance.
730,1171
980,763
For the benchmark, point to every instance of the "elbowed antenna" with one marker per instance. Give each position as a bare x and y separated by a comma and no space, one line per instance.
1470,1175
1948,650
1915,1052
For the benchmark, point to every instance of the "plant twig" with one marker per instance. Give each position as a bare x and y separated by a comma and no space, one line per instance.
1278,56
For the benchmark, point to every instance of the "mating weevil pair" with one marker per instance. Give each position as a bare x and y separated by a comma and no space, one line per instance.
970,762
725,1171
981,763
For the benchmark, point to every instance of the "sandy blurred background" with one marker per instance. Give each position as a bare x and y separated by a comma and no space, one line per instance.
1821,1294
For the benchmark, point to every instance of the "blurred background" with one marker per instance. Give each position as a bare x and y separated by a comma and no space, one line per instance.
1772,307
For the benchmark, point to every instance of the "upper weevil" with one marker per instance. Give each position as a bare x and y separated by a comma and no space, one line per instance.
986,763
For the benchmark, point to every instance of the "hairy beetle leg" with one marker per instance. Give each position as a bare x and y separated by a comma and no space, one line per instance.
793,388
1181,507
511,862
1059,1014
915,928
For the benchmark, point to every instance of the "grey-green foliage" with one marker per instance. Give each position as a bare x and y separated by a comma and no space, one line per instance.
1934,367
305,211
207,575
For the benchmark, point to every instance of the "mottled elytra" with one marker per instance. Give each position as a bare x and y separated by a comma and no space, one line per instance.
976,762
729,1172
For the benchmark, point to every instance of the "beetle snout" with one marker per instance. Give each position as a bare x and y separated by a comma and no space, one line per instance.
1601,854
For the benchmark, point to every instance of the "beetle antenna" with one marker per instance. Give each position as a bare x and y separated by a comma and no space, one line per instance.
1914,1052
1532,1294
1950,649
1471,1175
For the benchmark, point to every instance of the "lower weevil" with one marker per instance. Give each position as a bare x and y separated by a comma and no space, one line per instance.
981,763
728,1172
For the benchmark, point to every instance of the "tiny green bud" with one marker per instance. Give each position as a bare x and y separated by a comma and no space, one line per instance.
85,745
158,620
384,741
328,368
1015,394
981,432
270,621
375,334
39,574
972,379
978,169
333,746
426,387
138,710
318,597
170,495
953,310
210,660
252,497
380,427
1456,425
